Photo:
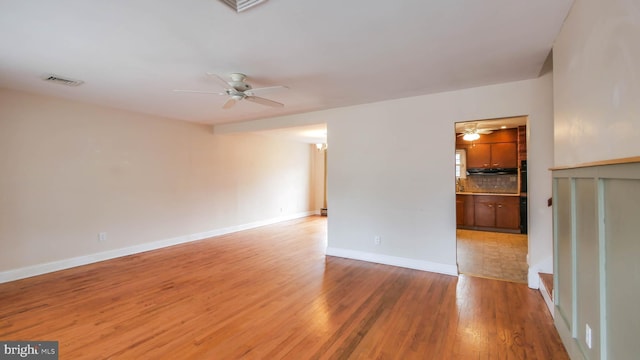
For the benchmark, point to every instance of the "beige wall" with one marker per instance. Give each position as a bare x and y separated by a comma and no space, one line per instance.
71,170
596,61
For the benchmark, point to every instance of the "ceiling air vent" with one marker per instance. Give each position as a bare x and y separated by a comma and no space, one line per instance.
60,80
241,5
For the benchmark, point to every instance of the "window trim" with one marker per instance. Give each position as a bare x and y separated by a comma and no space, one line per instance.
461,169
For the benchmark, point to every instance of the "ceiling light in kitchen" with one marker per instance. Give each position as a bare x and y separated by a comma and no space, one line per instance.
471,136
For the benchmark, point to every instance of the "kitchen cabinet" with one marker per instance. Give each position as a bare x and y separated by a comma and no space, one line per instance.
504,155
459,210
478,156
464,210
496,155
485,212
502,212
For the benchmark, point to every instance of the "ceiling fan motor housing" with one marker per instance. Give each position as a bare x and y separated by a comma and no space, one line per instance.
237,82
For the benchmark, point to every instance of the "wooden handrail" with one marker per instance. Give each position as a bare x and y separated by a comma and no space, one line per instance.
628,160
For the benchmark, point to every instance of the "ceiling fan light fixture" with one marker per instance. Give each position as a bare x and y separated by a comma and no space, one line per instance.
237,89
471,136
242,5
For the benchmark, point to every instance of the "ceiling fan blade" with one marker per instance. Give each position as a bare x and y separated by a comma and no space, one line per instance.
199,92
222,82
263,101
265,89
229,104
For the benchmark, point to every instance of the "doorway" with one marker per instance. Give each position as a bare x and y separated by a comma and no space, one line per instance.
315,136
491,225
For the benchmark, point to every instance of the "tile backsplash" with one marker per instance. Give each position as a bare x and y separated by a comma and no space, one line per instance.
490,183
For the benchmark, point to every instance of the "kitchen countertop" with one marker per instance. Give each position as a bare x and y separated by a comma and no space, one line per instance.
484,193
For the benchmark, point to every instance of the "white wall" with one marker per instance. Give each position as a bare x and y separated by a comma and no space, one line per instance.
71,170
391,172
597,82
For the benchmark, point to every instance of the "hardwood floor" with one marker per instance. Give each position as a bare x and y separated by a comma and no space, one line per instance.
270,293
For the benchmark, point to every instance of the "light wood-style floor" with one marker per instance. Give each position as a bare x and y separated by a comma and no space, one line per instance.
494,255
270,293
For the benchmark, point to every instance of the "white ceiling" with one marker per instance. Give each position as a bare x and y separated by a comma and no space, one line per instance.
331,53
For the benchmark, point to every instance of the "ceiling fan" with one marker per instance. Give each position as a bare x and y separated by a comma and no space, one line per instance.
471,132
237,90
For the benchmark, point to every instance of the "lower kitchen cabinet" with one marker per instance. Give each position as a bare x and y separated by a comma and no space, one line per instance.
464,210
502,212
485,211
459,210
508,213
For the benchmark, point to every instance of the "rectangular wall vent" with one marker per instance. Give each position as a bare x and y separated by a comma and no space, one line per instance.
241,5
61,80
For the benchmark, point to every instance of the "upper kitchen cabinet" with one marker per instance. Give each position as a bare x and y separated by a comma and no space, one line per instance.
504,155
496,150
499,155
478,156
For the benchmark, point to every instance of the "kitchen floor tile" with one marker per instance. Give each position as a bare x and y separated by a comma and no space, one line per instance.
495,255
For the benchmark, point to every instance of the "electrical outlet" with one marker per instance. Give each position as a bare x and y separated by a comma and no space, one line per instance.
587,336
377,239
102,236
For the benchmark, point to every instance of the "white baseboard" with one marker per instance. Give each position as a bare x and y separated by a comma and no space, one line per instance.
394,260
39,269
